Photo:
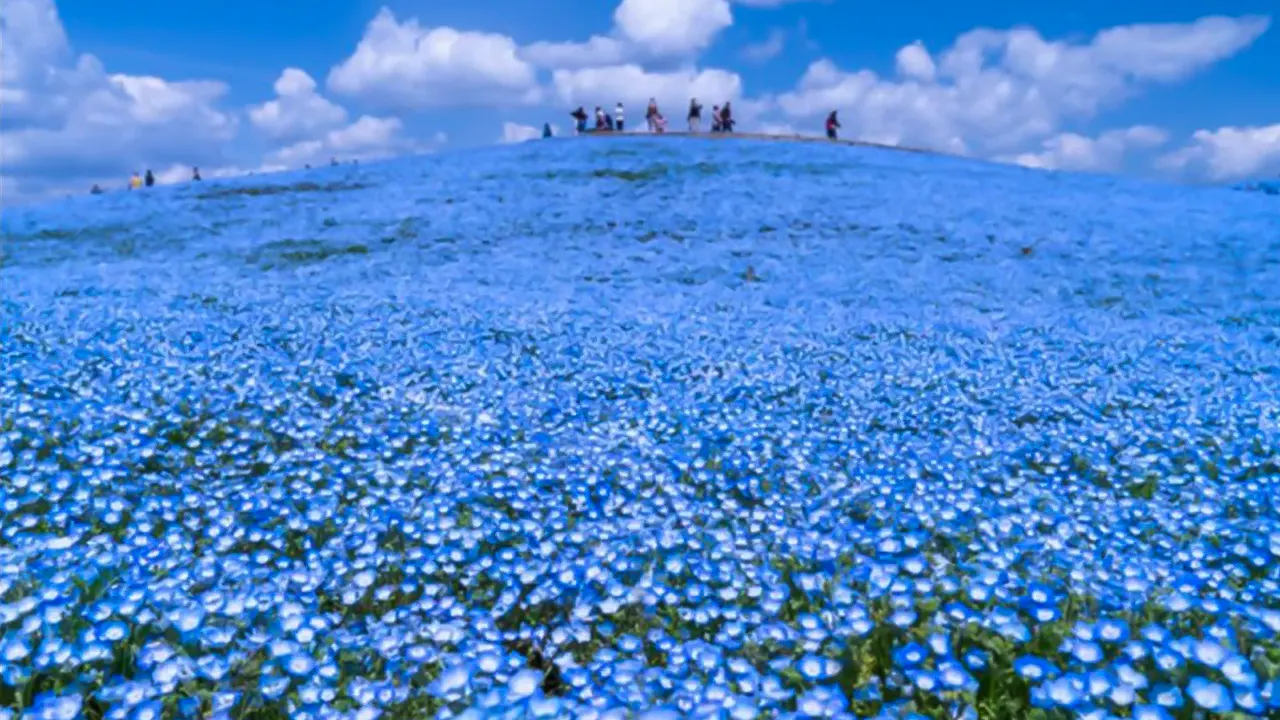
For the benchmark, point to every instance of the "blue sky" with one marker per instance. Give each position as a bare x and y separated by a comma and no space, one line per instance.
1153,99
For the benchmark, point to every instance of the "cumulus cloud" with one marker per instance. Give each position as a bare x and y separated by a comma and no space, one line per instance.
645,30
368,138
298,110
995,91
68,122
403,65
1105,153
1228,153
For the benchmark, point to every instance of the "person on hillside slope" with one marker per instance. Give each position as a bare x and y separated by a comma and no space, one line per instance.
651,115
150,179
135,182
726,118
833,124
618,118
195,174
659,124
95,190
695,115
715,118
546,130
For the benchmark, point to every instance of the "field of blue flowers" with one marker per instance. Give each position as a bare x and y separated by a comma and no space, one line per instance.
640,428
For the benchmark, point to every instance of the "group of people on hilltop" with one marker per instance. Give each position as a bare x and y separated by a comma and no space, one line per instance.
721,119
655,122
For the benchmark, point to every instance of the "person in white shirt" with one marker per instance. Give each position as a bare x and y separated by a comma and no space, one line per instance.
617,118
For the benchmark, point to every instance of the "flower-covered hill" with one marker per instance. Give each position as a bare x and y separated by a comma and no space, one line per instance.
663,428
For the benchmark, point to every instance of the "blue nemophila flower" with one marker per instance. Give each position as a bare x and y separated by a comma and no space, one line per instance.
1209,695
1034,668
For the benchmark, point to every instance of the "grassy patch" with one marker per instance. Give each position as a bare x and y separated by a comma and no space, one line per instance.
266,190
301,252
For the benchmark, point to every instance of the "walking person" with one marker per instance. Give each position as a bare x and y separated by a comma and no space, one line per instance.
618,118
695,116
833,124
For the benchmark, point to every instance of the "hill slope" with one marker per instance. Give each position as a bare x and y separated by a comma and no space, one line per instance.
684,424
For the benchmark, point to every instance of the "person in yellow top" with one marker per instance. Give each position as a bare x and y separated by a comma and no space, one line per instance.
135,182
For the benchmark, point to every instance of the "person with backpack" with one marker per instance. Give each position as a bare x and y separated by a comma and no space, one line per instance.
651,115
833,124
695,115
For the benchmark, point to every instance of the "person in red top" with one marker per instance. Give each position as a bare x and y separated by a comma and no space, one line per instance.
833,124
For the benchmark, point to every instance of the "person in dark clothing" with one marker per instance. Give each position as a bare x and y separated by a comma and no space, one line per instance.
580,119
95,190
195,174
726,119
608,122
651,115
833,124
695,115
546,130
149,179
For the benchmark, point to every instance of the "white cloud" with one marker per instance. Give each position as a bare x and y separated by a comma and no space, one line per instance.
633,86
914,63
995,91
651,30
68,123
1228,153
404,65
672,27
368,138
1105,153
298,110
768,49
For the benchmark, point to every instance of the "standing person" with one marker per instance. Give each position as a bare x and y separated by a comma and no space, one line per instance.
195,174
150,179
715,119
599,118
95,190
651,115
546,130
726,119
618,117
579,120
695,115
833,124
135,182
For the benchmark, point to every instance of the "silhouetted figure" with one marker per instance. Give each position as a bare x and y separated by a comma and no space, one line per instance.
195,174
726,118
833,124
95,190
695,115
579,120
546,130
150,179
